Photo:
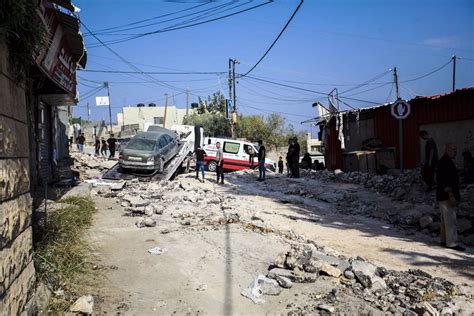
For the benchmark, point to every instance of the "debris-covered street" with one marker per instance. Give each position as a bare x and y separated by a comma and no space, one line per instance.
317,244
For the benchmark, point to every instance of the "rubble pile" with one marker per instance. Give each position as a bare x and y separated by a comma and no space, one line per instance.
416,209
413,292
91,166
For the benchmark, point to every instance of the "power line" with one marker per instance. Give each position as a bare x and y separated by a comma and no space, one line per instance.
428,74
367,82
126,61
185,26
276,39
155,72
288,86
161,22
150,19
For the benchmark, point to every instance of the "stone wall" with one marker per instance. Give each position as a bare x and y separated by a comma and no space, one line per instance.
17,273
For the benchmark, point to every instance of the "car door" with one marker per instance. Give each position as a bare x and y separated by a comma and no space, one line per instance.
166,148
172,145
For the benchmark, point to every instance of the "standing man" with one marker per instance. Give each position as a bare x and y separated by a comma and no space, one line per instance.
112,141
251,157
220,163
80,140
431,159
97,145
103,148
261,161
447,195
280,165
199,155
296,158
289,157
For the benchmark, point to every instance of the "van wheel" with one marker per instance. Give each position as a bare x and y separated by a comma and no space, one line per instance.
212,166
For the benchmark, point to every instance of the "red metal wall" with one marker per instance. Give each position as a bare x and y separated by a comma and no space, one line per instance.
333,152
455,106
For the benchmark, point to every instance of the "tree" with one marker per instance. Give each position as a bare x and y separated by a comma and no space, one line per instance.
252,127
214,124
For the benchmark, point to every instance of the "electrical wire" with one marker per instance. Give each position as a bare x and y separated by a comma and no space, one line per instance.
127,62
185,26
276,39
427,74
155,72
160,22
367,82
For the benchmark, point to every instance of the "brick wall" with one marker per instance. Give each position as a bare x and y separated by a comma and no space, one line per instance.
17,273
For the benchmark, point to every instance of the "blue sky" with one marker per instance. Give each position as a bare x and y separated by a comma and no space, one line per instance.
329,44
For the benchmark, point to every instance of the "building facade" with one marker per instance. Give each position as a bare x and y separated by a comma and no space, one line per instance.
33,115
141,116
360,134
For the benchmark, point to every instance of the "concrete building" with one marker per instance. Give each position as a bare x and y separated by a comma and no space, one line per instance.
314,146
140,116
33,112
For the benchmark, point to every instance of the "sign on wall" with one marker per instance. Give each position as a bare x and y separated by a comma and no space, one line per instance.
102,101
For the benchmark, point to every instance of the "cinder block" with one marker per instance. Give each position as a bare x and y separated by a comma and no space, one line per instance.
15,217
19,293
14,259
14,177
13,138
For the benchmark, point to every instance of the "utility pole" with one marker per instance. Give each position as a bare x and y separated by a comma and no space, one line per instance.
454,72
166,109
187,102
88,112
400,122
232,95
106,84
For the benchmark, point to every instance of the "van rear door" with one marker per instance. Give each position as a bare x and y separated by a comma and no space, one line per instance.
232,159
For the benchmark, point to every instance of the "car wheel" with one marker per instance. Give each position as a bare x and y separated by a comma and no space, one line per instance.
212,166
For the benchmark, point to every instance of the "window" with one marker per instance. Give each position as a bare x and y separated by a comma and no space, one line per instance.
168,138
249,150
158,120
141,144
163,142
231,148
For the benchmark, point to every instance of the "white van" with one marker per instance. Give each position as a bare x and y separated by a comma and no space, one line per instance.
236,154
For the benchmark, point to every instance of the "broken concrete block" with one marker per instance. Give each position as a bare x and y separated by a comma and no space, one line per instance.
83,305
284,282
298,277
329,270
149,222
280,260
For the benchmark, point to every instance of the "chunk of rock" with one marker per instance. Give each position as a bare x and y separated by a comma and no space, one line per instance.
298,256
295,276
149,222
427,309
329,270
280,260
136,200
425,221
363,279
349,274
326,308
284,282
83,305
149,210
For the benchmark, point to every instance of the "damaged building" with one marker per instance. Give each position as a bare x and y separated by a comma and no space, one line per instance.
367,139
33,139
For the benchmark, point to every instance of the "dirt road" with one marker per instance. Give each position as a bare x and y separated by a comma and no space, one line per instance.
206,266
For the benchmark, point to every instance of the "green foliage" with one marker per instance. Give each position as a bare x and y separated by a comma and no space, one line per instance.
25,35
213,104
214,123
61,255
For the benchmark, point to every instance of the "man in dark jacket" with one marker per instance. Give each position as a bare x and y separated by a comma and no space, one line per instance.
296,158
289,157
431,159
447,195
112,141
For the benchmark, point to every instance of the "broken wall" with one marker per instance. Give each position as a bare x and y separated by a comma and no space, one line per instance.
460,133
17,273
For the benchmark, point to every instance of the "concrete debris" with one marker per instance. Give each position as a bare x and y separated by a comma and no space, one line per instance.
326,308
329,270
157,250
261,286
83,305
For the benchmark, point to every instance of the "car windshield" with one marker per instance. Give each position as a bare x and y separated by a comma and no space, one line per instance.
141,144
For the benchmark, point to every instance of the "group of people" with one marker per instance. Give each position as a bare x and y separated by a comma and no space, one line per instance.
293,158
101,145
200,154
443,174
